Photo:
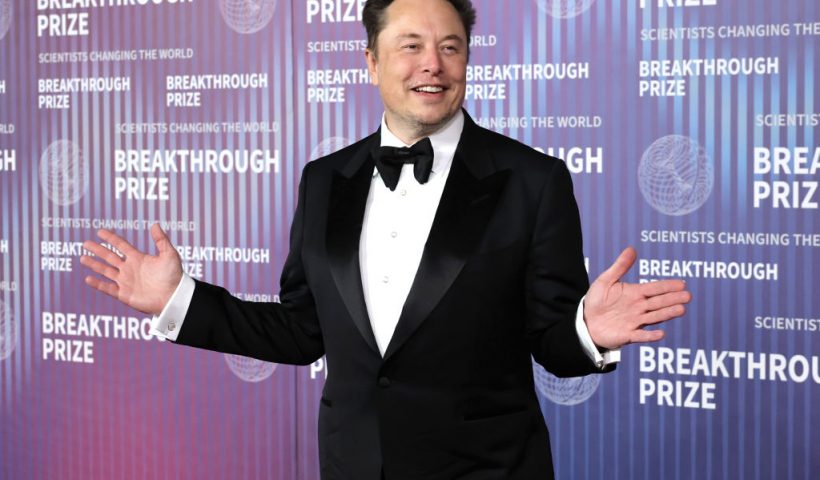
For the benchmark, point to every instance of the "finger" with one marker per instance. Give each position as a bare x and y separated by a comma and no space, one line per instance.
120,243
662,314
106,287
161,239
103,252
659,287
618,269
643,336
96,266
667,300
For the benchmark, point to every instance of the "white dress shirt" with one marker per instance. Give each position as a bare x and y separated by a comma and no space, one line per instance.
395,230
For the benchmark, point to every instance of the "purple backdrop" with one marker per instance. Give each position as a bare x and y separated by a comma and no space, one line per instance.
688,127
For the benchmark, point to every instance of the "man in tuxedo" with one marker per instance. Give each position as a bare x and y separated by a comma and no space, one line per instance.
428,262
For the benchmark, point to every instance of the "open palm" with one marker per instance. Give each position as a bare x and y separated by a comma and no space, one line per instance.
141,281
617,312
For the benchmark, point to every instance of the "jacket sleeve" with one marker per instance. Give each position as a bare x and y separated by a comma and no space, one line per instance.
286,332
556,279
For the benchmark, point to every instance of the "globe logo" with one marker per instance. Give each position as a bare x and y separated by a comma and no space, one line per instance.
64,172
247,16
328,146
249,369
675,175
5,17
564,391
8,332
564,8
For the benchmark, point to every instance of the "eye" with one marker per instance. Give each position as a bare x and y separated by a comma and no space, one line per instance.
410,46
450,48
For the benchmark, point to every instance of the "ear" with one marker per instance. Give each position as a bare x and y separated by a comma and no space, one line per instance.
372,61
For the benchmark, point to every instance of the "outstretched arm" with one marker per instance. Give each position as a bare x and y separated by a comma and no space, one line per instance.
216,320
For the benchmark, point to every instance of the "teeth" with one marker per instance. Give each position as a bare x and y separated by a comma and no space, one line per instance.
429,89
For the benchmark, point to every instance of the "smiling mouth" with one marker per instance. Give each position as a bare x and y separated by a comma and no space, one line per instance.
429,89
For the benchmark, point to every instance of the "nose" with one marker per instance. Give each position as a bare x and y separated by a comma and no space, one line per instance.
432,61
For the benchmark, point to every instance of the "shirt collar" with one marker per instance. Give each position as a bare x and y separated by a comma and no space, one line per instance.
444,141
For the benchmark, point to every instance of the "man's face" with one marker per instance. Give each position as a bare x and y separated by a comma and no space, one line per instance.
420,66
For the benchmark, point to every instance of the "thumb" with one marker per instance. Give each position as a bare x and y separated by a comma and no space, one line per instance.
619,268
161,239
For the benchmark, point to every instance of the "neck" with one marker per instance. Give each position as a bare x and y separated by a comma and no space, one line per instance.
410,134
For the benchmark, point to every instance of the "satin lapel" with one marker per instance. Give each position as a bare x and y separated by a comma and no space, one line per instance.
467,204
348,197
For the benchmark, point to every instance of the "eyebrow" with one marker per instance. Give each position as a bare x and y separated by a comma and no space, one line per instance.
408,35
416,36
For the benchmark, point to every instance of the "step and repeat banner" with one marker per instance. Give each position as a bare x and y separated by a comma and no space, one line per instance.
688,126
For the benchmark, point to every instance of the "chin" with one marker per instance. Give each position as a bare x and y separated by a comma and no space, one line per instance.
435,119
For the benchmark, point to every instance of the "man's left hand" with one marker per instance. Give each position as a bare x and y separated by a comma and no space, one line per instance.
617,312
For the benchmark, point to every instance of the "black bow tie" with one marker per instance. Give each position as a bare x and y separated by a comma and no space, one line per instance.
390,160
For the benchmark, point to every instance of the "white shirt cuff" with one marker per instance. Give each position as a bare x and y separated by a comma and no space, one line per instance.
600,359
169,322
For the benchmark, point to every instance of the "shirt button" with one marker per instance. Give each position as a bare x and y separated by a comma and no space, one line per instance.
386,279
404,193
384,382
394,234
171,326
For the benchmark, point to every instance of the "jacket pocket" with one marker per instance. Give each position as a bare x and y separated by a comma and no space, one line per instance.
494,415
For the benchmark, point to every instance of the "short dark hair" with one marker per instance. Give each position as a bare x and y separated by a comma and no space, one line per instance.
373,18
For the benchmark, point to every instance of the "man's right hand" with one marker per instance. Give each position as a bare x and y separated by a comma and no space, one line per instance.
144,282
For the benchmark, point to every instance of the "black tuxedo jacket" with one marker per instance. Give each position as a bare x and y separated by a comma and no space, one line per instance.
499,280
